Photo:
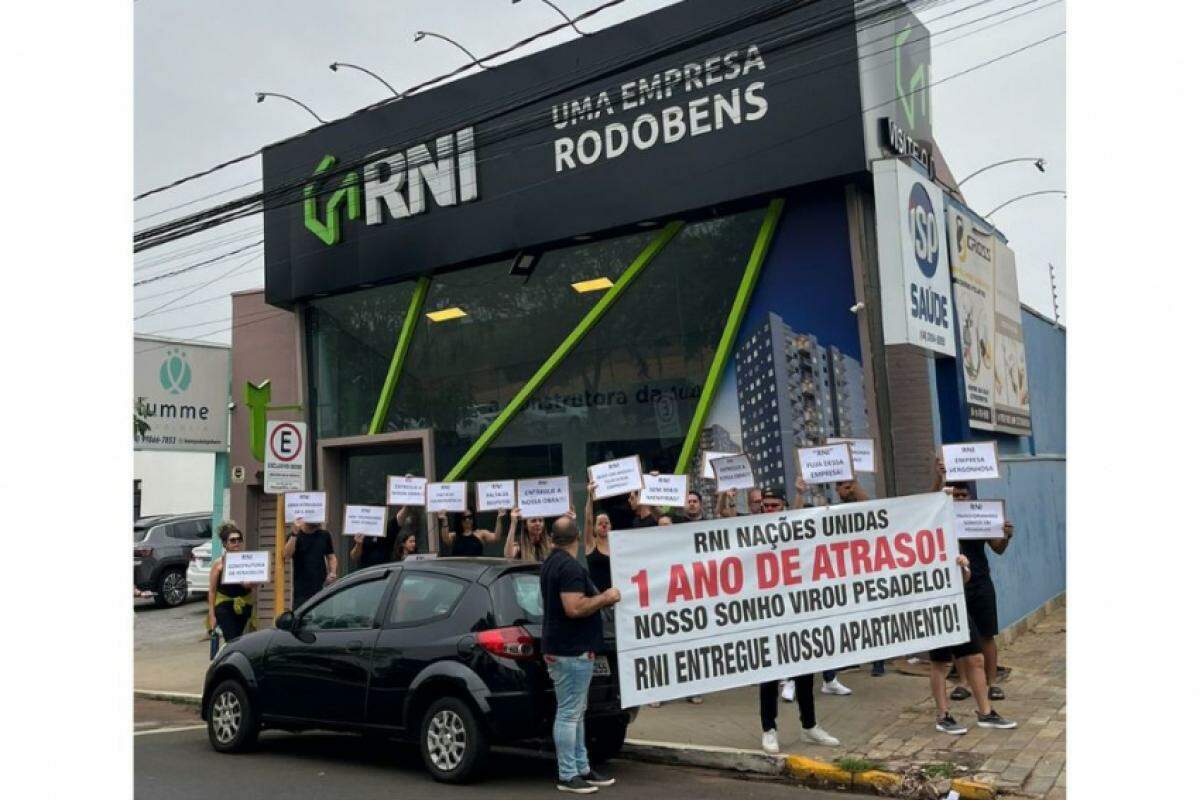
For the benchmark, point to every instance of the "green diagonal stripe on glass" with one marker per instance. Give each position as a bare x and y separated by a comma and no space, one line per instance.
397,365
737,312
564,349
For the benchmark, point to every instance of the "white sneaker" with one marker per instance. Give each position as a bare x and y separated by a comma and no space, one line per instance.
787,691
835,687
770,742
817,736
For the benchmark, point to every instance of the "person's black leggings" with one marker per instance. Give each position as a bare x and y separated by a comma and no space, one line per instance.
231,624
768,702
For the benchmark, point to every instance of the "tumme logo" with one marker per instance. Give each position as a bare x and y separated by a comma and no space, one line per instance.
923,226
329,230
913,89
175,374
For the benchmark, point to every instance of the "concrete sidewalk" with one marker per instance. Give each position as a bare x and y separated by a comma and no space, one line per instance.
889,720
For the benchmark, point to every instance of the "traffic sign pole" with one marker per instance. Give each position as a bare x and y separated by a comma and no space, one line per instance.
280,582
283,471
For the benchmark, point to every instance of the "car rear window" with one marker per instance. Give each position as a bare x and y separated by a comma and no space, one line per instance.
518,598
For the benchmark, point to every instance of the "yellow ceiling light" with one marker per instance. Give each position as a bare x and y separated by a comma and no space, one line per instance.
594,285
454,312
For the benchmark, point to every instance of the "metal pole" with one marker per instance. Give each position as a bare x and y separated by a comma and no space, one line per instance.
220,476
279,576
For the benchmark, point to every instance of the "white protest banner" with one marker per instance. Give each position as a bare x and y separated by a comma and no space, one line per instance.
979,519
247,567
365,521
863,451
722,603
283,457
615,478
971,461
308,506
706,459
406,490
665,490
733,472
827,464
544,497
495,495
446,497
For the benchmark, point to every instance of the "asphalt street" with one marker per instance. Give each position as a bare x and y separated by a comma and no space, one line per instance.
173,761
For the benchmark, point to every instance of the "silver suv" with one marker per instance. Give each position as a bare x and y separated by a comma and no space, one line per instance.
162,547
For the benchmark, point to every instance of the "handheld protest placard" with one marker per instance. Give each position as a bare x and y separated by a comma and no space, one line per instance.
406,490
706,459
544,497
971,461
495,495
614,478
306,506
252,566
733,472
365,521
829,463
863,451
979,519
446,497
665,491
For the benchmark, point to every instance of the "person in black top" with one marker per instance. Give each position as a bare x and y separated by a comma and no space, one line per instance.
595,542
313,563
371,550
230,605
572,632
694,510
643,516
465,540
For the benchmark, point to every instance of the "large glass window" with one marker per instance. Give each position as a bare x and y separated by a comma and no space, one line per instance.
351,608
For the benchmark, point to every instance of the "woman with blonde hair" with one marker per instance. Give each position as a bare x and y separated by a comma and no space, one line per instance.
531,542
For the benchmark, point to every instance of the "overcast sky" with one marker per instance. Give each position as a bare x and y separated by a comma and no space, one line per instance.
198,65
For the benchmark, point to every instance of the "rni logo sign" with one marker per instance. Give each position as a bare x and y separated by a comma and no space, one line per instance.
329,229
912,83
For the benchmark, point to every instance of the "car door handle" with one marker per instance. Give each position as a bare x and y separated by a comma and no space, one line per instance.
354,646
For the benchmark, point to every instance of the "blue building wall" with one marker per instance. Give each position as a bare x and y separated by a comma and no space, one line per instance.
1033,473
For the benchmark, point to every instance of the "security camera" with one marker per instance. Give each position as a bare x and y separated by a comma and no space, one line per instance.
857,307
232,405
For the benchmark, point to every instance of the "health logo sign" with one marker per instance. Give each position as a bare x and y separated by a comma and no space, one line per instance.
923,224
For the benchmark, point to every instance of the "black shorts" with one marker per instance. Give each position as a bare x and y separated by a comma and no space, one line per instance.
981,605
944,655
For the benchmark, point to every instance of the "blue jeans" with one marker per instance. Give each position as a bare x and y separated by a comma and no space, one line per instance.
572,676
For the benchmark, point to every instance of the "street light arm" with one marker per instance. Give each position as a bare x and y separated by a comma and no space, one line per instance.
337,64
260,95
421,34
562,14
1037,160
1022,197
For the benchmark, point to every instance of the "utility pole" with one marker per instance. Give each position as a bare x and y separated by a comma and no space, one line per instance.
1054,292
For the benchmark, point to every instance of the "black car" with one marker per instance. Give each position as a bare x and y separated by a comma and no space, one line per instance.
443,652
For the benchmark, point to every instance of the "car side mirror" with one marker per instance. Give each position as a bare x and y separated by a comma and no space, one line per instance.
285,621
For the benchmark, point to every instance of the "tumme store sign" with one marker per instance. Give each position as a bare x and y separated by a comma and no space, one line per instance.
180,395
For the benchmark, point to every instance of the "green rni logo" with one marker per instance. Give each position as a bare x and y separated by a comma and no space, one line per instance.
329,230
175,374
916,90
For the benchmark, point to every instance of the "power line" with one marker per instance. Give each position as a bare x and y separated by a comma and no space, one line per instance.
159,309
197,265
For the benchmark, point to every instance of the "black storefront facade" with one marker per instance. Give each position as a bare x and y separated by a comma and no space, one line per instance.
655,240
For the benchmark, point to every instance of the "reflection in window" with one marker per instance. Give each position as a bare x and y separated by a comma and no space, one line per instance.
352,607
424,597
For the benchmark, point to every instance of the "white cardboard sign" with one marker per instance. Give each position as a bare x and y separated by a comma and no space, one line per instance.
979,519
826,464
495,495
283,457
420,557
308,506
863,451
971,461
544,497
252,566
365,521
706,458
446,496
615,478
733,472
665,490
406,490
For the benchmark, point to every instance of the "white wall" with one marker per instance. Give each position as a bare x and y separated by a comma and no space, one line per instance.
174,483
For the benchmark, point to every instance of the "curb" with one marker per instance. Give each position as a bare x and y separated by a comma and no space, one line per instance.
175,697
711,757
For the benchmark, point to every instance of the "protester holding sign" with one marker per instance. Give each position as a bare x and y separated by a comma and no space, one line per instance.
230,605
314,564
694,510
595,542
980,592
643,514
530,544
571,634
850,491
371,550
465,540
727,502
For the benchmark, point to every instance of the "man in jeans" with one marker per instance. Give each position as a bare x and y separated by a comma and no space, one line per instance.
571,635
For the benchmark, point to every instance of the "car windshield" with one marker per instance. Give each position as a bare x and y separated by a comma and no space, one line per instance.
518,597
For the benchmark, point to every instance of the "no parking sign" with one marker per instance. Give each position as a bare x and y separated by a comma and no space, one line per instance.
283,464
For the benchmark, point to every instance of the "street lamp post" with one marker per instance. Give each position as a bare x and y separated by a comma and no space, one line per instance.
260,96
422,34
334,68
1038,162
1022,197
562,14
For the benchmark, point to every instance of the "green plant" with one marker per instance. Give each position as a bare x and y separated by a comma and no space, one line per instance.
943,770
855,764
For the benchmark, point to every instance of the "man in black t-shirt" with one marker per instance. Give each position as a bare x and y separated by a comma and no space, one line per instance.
313,563
571,634
371,550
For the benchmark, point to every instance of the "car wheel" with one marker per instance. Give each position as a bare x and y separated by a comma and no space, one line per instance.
172,589
453,742
605,738
232,723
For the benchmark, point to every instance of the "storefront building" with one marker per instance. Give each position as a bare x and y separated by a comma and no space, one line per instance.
658,240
